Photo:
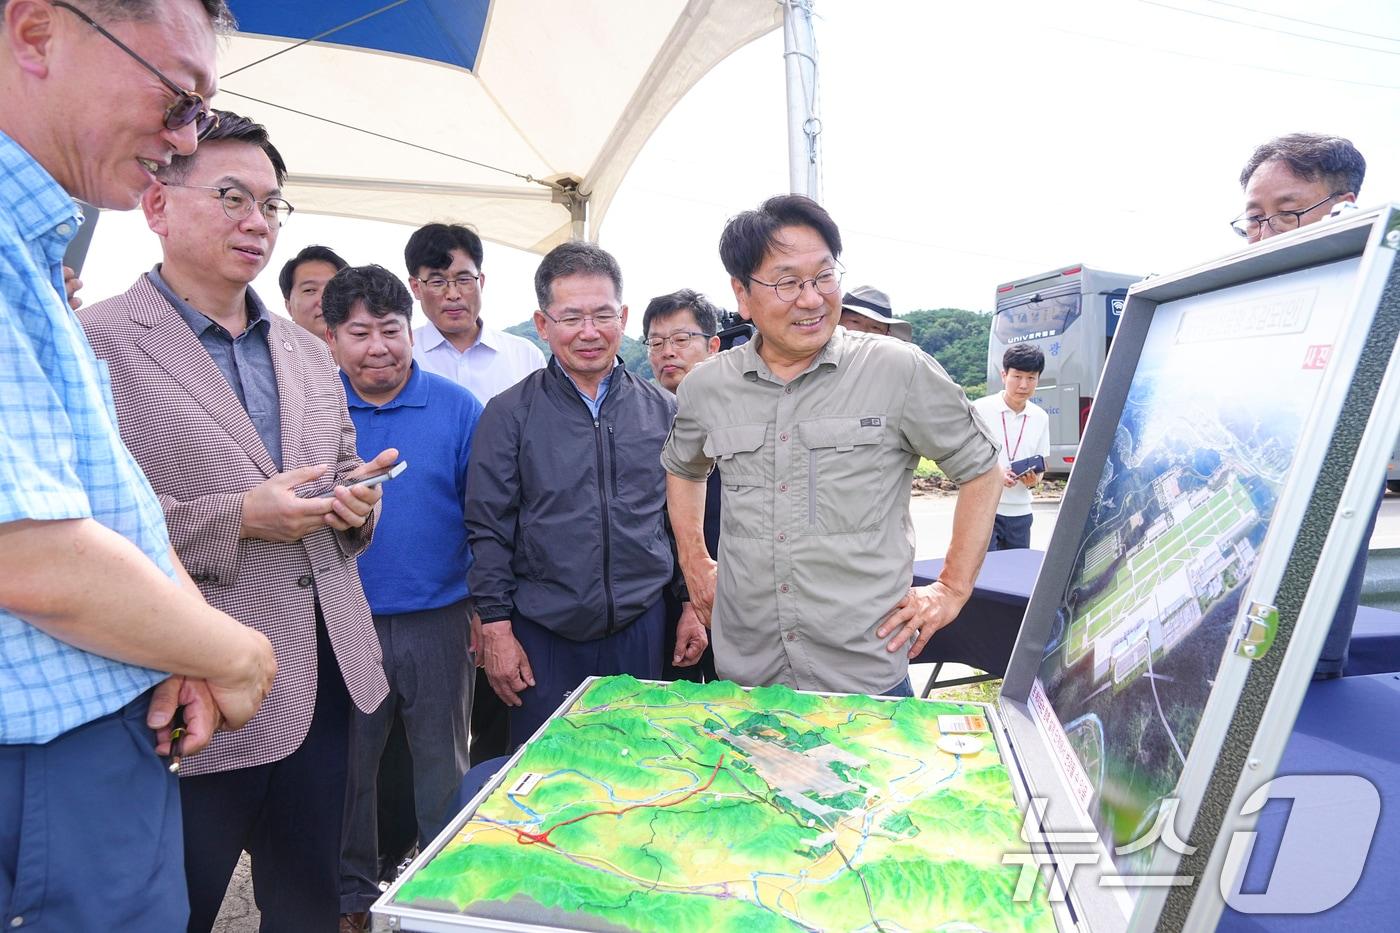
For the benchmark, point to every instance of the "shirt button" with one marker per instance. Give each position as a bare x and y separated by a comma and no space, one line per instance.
783,437
787,390
17,922
783,588
782,487
782,536
304,580
63,230
791,636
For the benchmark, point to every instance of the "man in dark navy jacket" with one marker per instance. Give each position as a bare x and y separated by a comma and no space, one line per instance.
565,506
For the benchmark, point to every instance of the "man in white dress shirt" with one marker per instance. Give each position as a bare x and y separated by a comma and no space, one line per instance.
1023,430
444,271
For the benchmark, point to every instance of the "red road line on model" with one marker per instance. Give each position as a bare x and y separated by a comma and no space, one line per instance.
529,839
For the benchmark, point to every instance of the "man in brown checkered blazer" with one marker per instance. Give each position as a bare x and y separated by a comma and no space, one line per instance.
239,420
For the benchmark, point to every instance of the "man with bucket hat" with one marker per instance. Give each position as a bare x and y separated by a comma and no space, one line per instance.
868,309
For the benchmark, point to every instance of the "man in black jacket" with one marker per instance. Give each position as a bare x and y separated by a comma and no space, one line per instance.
565,506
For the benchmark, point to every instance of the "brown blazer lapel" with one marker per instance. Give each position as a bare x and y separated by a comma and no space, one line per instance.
291,392
175,348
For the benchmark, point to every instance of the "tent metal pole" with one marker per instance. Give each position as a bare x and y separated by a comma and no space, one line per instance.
578,218
803,124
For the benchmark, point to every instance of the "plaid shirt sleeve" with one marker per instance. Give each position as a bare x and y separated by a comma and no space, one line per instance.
60,456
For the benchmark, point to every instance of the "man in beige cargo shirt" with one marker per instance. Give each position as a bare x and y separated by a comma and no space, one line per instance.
816,431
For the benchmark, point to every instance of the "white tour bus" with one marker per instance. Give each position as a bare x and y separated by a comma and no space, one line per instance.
1070,314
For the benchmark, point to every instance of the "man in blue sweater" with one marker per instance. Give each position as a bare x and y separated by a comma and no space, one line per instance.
415,572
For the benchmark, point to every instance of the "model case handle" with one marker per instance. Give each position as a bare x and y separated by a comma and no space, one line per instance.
1260,627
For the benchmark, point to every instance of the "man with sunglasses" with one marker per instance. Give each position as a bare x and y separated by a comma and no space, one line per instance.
96,611
565,499
239,419
816,431
1290,182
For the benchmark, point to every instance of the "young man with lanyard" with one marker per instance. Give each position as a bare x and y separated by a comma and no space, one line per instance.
1024,431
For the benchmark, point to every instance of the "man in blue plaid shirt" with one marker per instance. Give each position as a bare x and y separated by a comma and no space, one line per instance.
102,634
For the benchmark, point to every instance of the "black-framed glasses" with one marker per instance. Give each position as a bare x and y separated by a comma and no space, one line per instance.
572,321
464,281
680,340
239,204
789,288
188,106
1282,222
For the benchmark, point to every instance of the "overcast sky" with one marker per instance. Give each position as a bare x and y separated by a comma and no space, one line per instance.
964,145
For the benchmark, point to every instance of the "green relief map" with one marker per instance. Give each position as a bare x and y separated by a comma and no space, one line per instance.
679,807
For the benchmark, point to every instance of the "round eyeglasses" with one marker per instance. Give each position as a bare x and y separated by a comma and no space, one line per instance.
789,288
239,204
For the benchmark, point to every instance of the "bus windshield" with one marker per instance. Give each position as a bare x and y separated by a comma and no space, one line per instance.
1032,318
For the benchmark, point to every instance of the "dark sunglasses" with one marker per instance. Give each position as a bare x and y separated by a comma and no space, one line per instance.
188,107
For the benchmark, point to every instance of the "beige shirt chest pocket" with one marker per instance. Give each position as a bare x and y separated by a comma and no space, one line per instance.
746,480
845,466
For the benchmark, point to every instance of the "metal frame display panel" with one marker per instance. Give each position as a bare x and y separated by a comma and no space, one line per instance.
1343,269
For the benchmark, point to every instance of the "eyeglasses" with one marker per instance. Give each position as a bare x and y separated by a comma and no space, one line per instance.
239,204
789,288
436,283
680,340
1281,222
602,320
188,106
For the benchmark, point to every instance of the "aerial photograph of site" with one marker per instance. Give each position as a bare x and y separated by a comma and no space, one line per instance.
1199,457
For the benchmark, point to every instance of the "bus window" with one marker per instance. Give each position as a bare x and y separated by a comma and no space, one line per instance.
1036,317
1071,314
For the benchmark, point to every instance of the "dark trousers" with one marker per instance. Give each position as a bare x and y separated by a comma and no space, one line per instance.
430,679
286,814
1010,532
490,721
1332,660
90,831
560,665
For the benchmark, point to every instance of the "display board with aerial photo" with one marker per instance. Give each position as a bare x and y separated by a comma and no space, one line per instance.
671,807
1223,387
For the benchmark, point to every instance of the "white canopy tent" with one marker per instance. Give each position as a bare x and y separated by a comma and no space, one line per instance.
520,117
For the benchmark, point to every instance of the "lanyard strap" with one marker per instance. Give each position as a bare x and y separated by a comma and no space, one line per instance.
1011,457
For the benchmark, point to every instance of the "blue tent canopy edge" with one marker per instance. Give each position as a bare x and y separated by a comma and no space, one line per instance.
446,31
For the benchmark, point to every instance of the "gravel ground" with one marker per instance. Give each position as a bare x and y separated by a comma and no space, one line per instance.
239,914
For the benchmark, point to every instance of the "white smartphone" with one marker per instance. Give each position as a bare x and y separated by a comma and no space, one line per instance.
374,480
